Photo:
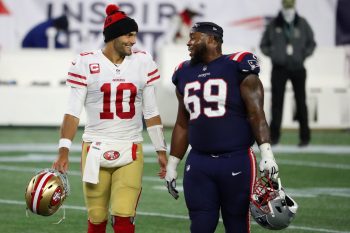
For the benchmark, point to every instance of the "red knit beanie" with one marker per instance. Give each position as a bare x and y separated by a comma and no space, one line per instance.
117,23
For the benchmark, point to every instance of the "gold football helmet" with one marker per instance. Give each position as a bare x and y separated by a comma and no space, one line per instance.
46,192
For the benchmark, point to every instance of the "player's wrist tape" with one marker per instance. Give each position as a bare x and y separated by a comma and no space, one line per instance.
266,151
173,162
157,137
64,142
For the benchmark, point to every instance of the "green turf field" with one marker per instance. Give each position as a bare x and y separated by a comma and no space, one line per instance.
318,180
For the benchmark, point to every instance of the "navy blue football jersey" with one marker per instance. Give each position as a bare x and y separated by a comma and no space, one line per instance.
211,92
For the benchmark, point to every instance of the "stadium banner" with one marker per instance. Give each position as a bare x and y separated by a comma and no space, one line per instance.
243,21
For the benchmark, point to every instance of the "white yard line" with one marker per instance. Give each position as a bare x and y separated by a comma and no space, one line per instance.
36,157
148,148
34,170
154,214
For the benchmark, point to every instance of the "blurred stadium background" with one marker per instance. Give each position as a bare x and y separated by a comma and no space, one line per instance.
33,99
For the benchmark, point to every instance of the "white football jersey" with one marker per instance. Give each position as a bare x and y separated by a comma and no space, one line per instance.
114,96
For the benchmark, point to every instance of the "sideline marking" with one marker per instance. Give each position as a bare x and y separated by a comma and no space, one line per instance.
295,193
32,157
70,172
148,148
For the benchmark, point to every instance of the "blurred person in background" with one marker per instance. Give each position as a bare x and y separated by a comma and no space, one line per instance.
40,36
180,25
288,40
116,87
221,115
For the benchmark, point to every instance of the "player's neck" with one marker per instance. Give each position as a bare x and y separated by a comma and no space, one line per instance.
114,57
211,57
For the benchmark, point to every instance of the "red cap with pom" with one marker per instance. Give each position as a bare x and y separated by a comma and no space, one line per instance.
117,23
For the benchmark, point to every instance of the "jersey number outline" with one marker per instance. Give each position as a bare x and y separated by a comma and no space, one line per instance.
120,89
193,102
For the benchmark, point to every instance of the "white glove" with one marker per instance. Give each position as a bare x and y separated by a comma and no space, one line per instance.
268,166
171,175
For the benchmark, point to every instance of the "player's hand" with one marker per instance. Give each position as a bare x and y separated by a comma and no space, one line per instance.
171,185
61,163
268,168
171,175
162,160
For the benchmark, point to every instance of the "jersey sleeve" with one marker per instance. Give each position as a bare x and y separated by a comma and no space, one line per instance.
150,108
76,74
153,74
175,77
247,62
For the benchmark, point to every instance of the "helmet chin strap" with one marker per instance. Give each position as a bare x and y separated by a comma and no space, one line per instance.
59,221
63,216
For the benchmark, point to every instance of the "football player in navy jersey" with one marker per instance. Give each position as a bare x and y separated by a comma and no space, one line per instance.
220,114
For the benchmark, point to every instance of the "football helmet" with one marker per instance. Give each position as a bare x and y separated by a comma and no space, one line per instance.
270,206
46,192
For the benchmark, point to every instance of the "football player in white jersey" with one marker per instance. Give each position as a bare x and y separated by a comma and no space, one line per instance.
116,87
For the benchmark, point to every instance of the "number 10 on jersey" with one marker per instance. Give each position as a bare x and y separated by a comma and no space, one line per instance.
122,90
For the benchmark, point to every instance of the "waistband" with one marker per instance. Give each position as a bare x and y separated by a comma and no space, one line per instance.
223,154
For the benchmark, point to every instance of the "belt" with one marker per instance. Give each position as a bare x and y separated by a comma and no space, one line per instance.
222,155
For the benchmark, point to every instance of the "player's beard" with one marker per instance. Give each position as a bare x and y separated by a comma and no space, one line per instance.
199,53
121,49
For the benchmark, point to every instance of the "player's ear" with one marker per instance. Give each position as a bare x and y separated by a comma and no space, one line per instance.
212,40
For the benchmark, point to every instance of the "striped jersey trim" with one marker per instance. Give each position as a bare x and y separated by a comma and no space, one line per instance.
76,82
238,56
76,75
153,75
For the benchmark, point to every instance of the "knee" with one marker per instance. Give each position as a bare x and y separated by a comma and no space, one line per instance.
97,215
204,222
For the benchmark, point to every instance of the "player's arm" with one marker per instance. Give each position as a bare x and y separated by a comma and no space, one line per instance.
179,139
69,127
68,130
155,132
179,145
253,96
154,126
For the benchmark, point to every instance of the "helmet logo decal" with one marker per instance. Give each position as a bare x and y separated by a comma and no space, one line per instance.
111,155
56,197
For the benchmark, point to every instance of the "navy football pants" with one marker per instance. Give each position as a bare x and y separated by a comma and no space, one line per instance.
222,182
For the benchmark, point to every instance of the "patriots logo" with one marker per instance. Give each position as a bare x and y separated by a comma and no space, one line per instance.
253,64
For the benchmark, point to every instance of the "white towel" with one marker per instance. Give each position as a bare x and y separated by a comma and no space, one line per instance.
92,163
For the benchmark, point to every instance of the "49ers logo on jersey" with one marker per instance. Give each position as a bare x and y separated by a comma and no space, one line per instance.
111,155
56,197
94,68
